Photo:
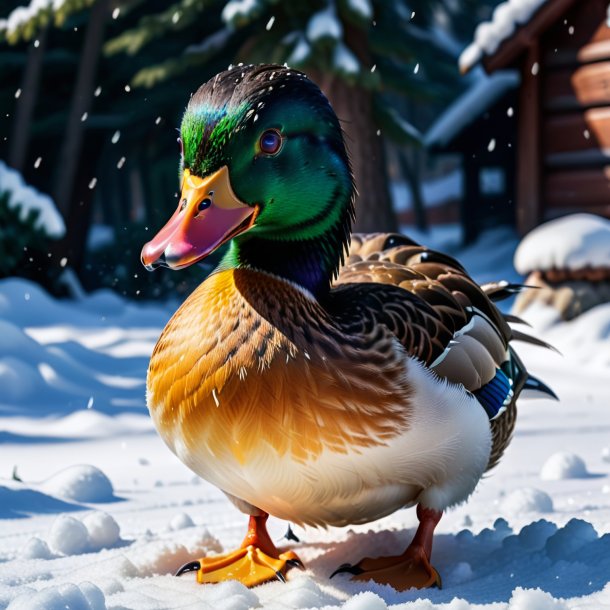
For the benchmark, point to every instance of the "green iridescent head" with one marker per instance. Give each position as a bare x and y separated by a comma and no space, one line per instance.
263,161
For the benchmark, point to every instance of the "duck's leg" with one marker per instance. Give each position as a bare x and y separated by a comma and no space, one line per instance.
256,561
412,568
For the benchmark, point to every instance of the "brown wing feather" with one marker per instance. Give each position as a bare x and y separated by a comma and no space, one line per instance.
439,287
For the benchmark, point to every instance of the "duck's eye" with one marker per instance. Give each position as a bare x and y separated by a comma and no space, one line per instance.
270,142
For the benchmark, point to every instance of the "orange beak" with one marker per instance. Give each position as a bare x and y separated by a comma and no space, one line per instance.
208,215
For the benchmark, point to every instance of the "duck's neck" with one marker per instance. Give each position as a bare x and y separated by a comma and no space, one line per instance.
312,263
299,262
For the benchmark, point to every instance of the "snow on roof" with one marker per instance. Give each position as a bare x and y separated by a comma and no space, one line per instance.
485,92
571,242
27,199
488,36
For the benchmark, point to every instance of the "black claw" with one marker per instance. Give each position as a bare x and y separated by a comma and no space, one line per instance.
280,576
290,535
347,567
295,563
191,566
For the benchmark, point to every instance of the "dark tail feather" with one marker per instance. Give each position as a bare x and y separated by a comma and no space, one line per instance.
534,388
519,336
498,291
509,317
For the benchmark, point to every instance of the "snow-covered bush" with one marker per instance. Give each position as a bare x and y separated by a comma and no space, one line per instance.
29,221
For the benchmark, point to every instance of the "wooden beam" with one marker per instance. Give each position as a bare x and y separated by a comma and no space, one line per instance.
528,143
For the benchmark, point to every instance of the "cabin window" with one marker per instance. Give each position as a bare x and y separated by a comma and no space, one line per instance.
492,181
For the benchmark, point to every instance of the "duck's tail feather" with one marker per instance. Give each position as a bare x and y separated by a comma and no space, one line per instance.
534,388
512,319
519,336
498,291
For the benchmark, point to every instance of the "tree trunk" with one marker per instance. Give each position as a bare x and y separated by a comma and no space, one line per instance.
71,194
20,136
353,106
410,175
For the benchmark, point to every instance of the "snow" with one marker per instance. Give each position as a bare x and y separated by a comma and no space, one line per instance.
80,483
324,25
28,200
105,513
362,8
180,521
435,192
570,242
489,35
66,597
564,465
479,97
344,61
236,12
300,52
527,500
68,536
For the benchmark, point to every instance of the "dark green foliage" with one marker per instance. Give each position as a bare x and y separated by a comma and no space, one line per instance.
22,244
380,47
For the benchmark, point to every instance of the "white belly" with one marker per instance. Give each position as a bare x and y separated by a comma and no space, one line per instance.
438,461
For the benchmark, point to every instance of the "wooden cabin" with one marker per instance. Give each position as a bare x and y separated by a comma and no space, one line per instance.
560,157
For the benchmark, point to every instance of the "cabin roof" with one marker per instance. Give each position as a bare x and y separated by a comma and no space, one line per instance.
477,99
514,24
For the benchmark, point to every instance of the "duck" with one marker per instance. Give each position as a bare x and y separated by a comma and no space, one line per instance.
322,377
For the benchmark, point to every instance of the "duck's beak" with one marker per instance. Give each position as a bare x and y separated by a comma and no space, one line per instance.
209,214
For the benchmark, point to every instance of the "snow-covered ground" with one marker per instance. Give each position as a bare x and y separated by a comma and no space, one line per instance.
105,513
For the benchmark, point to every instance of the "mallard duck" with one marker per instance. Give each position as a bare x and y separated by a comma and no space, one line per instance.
320,389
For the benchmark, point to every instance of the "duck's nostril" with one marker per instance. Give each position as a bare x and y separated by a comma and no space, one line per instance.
204,205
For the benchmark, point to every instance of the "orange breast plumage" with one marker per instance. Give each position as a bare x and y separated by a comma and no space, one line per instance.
250,360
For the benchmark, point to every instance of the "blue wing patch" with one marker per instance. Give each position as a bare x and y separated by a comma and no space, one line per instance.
496,395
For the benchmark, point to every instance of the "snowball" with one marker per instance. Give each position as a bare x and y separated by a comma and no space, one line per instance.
36,548
81,483
365,601
179,522
527,500
563,465
104,531
68,536
570,242
64,597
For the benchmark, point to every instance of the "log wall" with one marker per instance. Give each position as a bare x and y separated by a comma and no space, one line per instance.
575,112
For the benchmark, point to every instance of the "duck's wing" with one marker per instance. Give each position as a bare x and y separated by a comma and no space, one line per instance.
439,314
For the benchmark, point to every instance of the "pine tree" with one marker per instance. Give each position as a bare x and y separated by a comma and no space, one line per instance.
366,55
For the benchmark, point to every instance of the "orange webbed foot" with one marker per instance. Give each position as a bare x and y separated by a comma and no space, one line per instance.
257,560
249,565
411,569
